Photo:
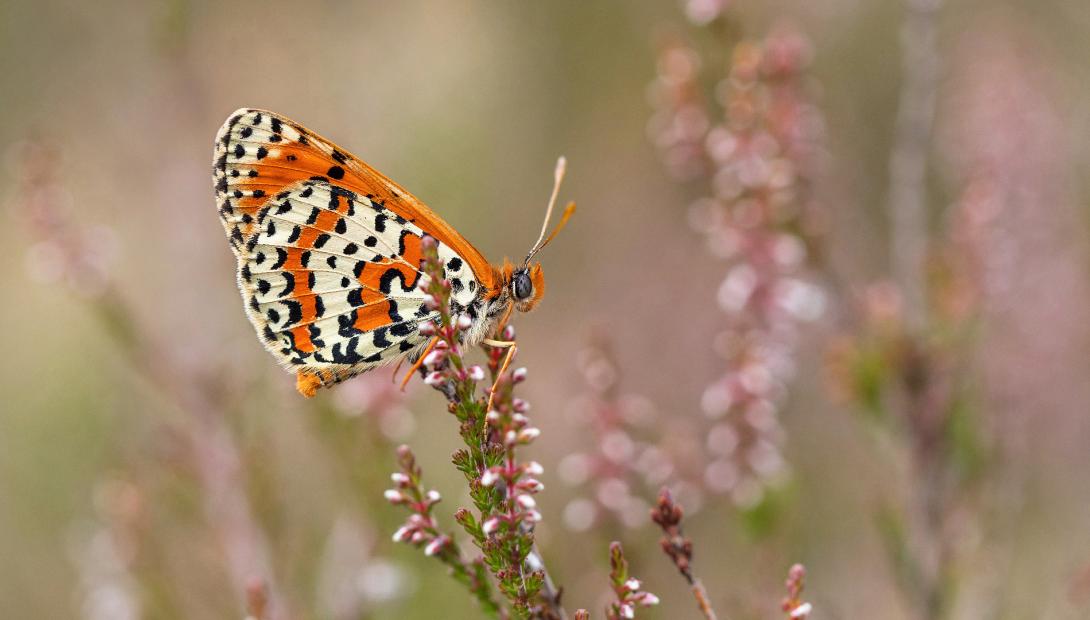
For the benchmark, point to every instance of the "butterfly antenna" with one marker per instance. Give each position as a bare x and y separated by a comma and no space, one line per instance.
542,241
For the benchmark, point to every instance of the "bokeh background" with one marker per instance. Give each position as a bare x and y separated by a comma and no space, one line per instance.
154,461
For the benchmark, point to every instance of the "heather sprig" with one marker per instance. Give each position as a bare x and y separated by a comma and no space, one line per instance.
628,590
793,605
421,530
501,485
667,515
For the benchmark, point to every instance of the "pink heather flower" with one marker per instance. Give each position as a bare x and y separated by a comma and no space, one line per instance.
491,525
519,375
402,533
527,435
436,545
632,585
464,322
533,468
489,478
431,302
434,358
526,501
435,378
476,373
427,329
394,496
399,478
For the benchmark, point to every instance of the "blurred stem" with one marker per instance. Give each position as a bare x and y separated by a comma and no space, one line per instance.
215,455
908,160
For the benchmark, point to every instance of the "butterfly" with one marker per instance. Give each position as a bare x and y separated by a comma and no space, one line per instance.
330,254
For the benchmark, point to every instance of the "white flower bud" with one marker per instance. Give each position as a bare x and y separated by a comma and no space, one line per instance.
394,496
402,533
533,468
491,525
435,546
526,501
476,373
519,375
464,322
489,478
399,478
433,496
802,610
632,585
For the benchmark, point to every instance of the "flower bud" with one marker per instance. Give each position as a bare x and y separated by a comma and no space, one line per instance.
394,496
464,322
435,379
476,373
489,477
526,501
435,546
533,468
433,496
632,585
402,533
519,375
400,479
527,435
491,525
648,599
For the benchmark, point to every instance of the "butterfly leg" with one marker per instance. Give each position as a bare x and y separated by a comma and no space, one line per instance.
512,348
419,363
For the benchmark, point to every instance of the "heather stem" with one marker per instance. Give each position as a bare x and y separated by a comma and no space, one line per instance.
908,159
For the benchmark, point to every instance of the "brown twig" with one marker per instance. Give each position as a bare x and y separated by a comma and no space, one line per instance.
667,515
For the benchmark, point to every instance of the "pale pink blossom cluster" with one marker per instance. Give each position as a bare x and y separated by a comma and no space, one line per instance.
628,591
623,467
760,216
419,528
77,256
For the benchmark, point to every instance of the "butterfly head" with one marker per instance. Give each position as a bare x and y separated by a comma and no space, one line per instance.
525,285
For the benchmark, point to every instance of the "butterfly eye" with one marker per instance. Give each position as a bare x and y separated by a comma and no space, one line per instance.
521,285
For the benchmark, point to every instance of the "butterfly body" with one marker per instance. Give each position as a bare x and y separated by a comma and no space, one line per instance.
330,254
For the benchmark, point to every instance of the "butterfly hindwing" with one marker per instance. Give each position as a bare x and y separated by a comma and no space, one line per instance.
330,279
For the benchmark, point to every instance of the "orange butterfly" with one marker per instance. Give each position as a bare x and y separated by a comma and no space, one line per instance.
329,253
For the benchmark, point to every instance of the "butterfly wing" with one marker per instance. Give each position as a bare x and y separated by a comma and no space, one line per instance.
329,272
258,154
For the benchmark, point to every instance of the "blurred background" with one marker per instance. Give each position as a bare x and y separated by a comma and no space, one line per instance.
828,282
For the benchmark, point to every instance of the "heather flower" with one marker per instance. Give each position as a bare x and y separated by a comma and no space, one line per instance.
628,592
793,605
502,486
759,163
